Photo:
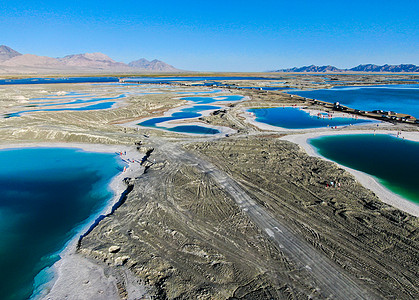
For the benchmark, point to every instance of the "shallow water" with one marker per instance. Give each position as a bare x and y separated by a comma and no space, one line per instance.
57,80
76,101
401,98
295,118
265,88
209,100
186,113
198,78
46,194
393,161
191,112
97,106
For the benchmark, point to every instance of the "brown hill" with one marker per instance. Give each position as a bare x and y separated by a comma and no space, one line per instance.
154,65
7,53
12,61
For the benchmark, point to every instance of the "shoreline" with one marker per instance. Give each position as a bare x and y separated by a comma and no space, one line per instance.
368,181
251,119
69,273
173,123
301,137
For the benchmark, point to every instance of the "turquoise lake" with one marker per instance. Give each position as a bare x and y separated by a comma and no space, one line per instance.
295,118
209,100
72,99
98,106
47,195
185,113
401,98
191,112
393,161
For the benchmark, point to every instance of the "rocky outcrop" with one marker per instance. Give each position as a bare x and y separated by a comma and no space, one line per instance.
30,60
154,65
7,53
92,60
311,68
386,68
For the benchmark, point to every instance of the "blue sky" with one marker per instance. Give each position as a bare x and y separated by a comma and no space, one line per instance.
218,35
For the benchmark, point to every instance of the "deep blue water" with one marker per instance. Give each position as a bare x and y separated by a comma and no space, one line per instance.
295,118
192,112
58,80
393,161
265,88
401,98
46,194
198,78
70,99
199,93
209,100
400,79
186,113
196,129
208,81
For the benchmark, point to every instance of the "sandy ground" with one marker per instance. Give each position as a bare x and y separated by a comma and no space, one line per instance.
76,277
366,180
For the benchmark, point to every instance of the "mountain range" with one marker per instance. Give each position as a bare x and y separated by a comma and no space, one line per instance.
361,68
12,61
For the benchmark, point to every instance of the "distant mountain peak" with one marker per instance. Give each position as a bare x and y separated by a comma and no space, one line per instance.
386,68
12,61
360,68
155,65
96,56
311,68
7,53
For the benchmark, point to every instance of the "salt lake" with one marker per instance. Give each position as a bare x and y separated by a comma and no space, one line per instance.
401,98
48,194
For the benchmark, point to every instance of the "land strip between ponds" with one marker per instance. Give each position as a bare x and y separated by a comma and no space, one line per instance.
366,180
326,277
171,120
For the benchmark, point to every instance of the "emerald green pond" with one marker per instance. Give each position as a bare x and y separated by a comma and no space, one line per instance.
393,161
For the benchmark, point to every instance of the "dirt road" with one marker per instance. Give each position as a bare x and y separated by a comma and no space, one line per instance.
329,279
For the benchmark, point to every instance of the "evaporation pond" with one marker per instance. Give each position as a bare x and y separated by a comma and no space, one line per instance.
393,161
183,114
97,106
295,118
47,194
401,98
209,100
